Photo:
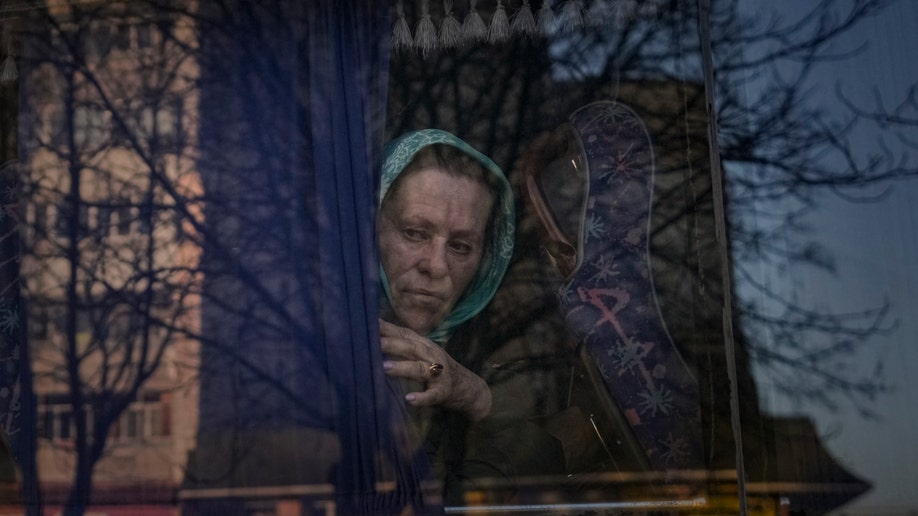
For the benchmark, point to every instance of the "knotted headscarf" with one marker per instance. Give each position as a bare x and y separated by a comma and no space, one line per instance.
497,253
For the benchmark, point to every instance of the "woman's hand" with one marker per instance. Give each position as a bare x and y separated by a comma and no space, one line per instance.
414,357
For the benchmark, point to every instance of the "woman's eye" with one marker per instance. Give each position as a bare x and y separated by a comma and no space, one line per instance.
413,234
460,247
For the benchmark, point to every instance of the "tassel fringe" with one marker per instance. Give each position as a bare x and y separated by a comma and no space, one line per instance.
500,25
473,26
546,19
401,33
571,15
449,29
523,22
8,71
425,35
601,12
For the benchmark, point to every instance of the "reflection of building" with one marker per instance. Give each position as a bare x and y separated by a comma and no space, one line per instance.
265,443
787,467
786,464
109,262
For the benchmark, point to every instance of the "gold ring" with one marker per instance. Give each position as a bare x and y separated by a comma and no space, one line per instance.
435,369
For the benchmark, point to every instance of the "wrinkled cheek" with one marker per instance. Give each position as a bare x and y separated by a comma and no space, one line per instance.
390,255
419,318
464,278
425,308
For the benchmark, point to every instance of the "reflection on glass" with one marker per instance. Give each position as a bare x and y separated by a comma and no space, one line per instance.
818,199
189,285
563,371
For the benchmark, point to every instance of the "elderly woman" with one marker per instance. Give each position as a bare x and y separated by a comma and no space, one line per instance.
446,224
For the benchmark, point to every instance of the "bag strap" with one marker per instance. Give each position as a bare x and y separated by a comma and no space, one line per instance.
546,149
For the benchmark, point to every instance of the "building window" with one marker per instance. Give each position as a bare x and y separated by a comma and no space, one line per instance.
156,124
103,38
99,41
123,37
90,126
161,122
65,424
58,132
45,424
133,427
39,221
83,217
130,36
62,221
40,322
141,420
149,417
144,33
103,222
55,421
124,219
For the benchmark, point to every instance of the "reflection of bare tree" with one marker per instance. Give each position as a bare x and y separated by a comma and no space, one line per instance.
783,152
116,233
776,149
281,363
188,218
109,277
122,302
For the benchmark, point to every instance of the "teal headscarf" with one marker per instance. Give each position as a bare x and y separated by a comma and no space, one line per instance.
396,156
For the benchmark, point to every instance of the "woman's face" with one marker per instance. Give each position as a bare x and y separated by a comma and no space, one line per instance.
431,238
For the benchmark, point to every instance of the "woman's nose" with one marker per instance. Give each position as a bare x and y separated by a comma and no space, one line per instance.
434,260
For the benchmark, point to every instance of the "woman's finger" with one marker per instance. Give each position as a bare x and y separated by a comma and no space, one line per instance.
411,369
432,396
393,330
414,348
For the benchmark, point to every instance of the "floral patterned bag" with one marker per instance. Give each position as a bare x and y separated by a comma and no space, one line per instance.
608,298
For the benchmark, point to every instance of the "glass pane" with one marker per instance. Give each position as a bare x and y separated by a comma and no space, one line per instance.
606,337
817,130
603,348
